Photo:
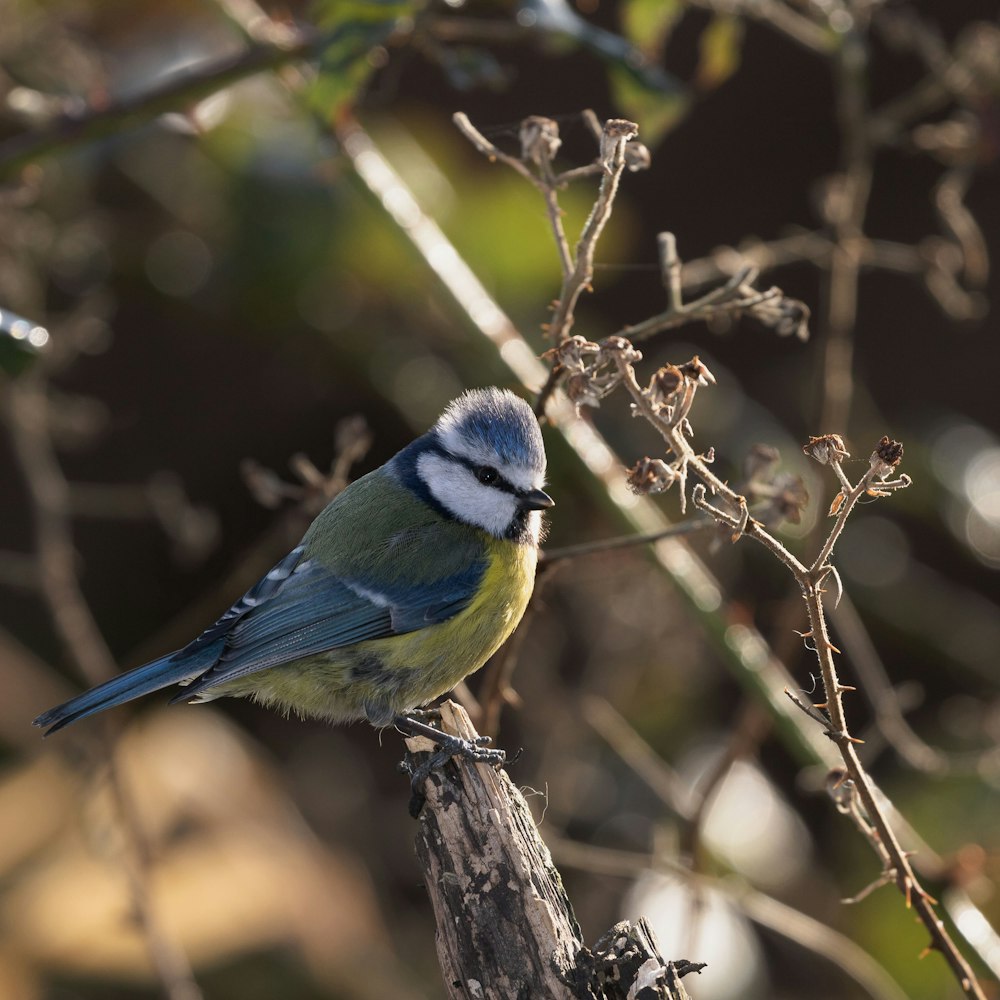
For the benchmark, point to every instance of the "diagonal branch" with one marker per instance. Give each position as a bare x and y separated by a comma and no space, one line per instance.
180,91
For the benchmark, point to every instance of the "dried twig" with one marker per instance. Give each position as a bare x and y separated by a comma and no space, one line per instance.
794,925
666,404
24,412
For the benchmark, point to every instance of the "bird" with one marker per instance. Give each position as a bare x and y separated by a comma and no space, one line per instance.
404,584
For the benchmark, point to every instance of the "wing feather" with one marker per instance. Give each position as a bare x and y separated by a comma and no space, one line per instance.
311,610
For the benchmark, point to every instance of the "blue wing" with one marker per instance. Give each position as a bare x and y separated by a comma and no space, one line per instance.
314,611
298,609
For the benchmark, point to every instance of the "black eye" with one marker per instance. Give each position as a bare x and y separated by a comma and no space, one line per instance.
486,475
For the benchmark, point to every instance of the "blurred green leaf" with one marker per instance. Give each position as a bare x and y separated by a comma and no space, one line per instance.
560,20
720,50
648,23
655,111
346,64
333,13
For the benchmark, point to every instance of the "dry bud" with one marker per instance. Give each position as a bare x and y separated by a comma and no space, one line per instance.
619,345
582,391
617,132
590,371
697,371
886,456
539,139
651,475
572,351
786,316
828,449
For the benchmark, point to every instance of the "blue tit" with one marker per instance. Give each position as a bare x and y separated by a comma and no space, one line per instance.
408,581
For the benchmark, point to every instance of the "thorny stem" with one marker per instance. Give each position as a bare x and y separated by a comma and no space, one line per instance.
810,580
900,869
677,443
897,863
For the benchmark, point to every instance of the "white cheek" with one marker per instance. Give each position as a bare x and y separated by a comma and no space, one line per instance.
464,497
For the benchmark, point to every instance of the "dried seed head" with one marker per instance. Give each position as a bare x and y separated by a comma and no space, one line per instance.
792,318
663,385
539,139
651,475
886,456
828,449
572,352
581,389
619,128
617,132
590,371
618,348
697,371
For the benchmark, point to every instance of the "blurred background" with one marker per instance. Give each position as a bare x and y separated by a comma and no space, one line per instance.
197,287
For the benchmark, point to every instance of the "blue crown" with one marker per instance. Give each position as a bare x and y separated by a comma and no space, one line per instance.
497,420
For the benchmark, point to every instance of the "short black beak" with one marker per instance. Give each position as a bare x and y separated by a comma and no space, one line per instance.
535,500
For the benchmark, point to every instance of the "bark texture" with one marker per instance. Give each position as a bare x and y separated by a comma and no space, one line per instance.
505,926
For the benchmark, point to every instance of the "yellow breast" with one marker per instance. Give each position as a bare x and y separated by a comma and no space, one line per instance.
382,678
441,655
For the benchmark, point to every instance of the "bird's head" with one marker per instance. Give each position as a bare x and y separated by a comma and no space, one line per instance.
483,463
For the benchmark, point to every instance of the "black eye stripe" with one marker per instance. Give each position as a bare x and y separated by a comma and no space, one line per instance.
497,482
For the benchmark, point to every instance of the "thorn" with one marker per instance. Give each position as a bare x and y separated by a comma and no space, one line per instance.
846,687
821,704
854,739
925,952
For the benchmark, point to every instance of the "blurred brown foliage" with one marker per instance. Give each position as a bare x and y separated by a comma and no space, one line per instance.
214,286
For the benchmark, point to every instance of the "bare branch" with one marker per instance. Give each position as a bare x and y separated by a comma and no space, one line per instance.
187,87
24,411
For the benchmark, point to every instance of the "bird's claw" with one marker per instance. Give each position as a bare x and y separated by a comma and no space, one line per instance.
446,747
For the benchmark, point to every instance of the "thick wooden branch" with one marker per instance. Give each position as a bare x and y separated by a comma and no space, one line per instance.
505,926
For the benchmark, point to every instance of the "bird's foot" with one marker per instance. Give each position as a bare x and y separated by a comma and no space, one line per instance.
446,747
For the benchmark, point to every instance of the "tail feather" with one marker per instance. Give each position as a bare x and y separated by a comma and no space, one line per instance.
171,669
